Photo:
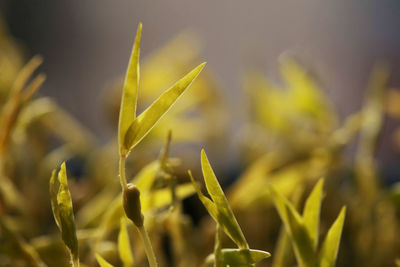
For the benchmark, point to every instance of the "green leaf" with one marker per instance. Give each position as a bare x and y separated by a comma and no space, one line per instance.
160,198
102,262
243,257
219,208
283,253
281,204
296,229
129,94
62,209
330,247
54,184
305,94
208,204
149,118
124,246
311,212
301,240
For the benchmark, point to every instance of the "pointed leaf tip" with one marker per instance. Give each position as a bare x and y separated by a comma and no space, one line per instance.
312,210
142,125
130,92
330,247
101,261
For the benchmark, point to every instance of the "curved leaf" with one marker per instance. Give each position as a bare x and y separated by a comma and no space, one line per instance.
141,126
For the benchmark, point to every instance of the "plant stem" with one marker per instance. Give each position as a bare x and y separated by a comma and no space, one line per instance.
122,177
75,261
217,248
147,246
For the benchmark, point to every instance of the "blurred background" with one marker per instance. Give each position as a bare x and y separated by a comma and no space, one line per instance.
86,44
324,114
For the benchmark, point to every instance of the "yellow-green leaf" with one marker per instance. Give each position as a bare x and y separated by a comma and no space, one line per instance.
64,202
149,118
301,240
53,198
224,215
330,247
294,225
124,246
63,211
208,204
162,197
241,257
311,212
130,91
102,262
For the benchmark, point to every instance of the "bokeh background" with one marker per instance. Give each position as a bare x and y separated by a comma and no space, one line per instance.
86,44
86,47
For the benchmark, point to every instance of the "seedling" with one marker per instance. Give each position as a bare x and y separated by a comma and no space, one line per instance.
132,130
219,209
303,229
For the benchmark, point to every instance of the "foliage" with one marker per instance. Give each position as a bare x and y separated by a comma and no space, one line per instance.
293,138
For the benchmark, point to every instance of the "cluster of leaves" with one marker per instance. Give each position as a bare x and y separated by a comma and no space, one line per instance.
152,216
304,229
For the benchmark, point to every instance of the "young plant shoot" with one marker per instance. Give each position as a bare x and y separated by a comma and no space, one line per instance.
132,129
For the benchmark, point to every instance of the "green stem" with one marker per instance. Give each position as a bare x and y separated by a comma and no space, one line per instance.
147,246
217,248
122,177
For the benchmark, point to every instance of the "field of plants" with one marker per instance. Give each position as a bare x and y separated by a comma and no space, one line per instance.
307,191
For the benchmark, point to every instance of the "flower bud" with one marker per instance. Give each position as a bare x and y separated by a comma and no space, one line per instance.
132,207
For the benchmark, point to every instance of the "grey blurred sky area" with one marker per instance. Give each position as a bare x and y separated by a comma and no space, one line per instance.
86,44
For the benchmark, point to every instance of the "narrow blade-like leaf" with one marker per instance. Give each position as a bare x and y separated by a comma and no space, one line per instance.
301,240
330,247
149,118
130,91
53,198
208,204
312,210
225,217
102,262
241,257
124,245
67,221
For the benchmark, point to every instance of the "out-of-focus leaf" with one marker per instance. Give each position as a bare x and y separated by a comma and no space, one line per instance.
371,126
241,257
124,246
162,197
148,119
129,94
305,93
219,208
311,212
18,98
63,213
11,196
102,262
26,250
330,247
